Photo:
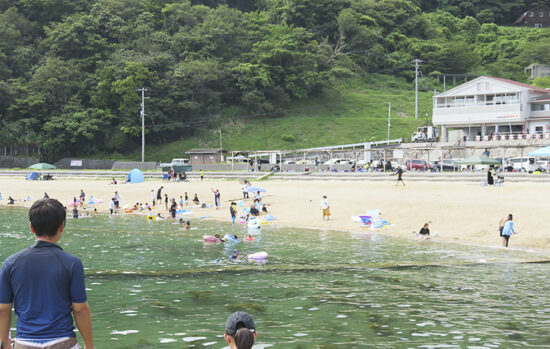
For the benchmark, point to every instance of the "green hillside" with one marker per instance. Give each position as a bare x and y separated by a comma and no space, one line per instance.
353,114
268,73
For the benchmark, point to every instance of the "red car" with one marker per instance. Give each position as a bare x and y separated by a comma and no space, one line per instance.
418,165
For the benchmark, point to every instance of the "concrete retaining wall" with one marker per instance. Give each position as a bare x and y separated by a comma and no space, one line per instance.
130,165
87,164
13,162
220,167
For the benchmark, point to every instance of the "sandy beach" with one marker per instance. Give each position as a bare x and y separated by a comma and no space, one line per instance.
458,211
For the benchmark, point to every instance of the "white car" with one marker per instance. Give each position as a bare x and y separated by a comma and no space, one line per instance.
524,164
339,161
180,161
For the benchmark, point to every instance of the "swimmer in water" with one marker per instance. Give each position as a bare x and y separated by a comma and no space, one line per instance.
217,236
186,224
235,255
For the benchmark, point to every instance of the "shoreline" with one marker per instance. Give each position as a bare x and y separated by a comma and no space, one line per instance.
461,212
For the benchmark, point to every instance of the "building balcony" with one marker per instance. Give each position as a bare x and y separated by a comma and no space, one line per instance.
478,114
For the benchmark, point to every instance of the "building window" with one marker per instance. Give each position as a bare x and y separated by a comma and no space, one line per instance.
531,14
538,25
541,14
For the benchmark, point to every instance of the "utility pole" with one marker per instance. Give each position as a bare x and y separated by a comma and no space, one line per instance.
416,63
389,124
221,148
142,114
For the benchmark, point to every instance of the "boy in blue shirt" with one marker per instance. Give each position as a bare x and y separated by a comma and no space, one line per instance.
507,230
45,285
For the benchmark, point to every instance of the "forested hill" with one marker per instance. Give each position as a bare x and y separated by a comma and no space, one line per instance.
70,69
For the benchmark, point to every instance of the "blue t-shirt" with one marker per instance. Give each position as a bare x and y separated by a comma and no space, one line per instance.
42,281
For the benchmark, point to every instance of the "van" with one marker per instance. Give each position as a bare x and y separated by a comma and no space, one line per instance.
524,164
180,161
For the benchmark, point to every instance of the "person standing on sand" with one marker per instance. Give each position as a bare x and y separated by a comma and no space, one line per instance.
202,175
159,195
490,175
166,201
325,206
507,230
399,176
153,196
217,198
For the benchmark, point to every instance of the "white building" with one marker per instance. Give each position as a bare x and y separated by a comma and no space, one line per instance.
489,108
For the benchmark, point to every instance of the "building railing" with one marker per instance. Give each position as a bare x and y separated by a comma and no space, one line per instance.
511,136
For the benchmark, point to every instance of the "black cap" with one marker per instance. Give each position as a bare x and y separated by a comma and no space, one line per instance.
238,320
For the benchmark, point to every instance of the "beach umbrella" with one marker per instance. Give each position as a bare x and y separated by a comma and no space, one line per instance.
42,166
256,189
544,151
478,160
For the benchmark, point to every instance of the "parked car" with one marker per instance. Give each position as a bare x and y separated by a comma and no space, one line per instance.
447,165
523,164
339,161
542,165
418,165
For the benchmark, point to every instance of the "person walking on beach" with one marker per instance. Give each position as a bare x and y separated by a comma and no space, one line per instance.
166,201
399,176
202,175
240,330
159,196
153,196
45,285
325,206
507,230
217,198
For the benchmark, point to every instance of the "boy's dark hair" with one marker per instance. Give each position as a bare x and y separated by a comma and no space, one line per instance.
46,217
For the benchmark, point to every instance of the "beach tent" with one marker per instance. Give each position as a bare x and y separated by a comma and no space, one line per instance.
42,166
478,160
32,176
135,176
256,189
544,151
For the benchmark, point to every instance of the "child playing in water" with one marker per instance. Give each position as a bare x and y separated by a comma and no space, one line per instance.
425,231
235,255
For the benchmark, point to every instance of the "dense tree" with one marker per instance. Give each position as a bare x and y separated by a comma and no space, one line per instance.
70,69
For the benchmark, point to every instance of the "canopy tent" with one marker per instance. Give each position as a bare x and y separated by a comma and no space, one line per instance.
135,176
478,160
544,151
255,190
32,176
42,166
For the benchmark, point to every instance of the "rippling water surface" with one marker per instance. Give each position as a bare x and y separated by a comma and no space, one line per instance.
156,285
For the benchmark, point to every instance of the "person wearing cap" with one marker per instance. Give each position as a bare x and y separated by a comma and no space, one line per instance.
240,330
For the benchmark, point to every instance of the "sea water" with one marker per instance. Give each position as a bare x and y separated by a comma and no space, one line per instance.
157,285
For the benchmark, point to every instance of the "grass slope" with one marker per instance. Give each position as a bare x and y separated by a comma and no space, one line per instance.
349,114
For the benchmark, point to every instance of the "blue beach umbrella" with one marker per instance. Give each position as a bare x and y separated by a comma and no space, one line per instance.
544,151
